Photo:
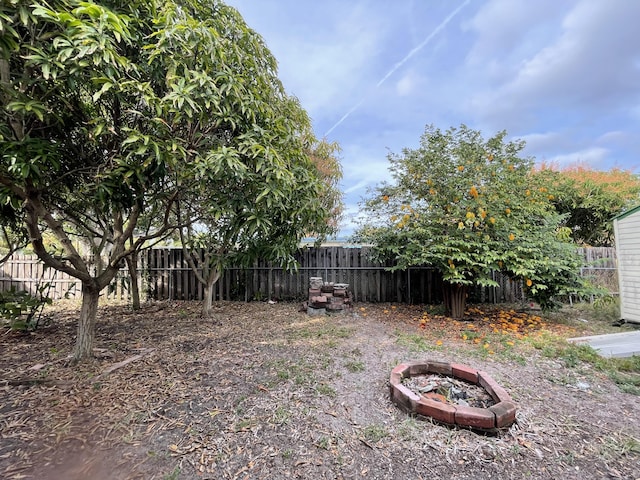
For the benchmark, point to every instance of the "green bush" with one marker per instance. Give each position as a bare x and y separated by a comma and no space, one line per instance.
21,310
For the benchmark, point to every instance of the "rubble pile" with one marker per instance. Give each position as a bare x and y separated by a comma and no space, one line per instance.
327,297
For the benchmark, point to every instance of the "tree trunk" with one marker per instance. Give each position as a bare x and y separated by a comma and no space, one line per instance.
455,299
87,322
207,301
132,265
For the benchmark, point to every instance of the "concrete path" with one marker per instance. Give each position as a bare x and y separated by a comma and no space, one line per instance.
624,344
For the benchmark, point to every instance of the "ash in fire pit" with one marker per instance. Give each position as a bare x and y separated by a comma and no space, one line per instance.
449,390
327,297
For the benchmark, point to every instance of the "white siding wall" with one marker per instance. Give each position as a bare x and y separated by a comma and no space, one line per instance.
627,232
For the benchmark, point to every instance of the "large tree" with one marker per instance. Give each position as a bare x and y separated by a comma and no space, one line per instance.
590,198
115,109
468,207
261,211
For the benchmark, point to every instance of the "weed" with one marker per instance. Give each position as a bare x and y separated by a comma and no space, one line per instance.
324,389
627,382
287,454
408,428
374,433
281,416
625,372
354,367
414,342
328,333
173,475
324,443
619,445
244,425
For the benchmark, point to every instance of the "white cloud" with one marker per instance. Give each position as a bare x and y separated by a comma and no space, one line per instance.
591,156
591,63
541,141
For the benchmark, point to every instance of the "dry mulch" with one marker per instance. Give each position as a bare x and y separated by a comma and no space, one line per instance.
264,391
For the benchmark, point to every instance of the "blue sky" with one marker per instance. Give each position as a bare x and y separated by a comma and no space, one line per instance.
562,75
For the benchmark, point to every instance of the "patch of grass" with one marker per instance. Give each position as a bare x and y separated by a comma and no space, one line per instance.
174,475
415,342
624,372
245,424
326,390
323,332
408,429
354,366
618,445
301,373
324,443
281,416
374,433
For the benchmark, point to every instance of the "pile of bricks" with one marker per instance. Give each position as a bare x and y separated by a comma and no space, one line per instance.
327,297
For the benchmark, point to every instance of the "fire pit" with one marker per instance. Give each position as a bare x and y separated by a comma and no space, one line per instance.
418,388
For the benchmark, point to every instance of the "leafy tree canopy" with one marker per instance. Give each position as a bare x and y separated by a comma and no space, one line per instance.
468,207
590,198
114,112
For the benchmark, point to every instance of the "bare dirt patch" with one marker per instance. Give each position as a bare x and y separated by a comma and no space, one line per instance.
263,391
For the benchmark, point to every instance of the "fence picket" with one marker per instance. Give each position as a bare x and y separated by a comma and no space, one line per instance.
165,274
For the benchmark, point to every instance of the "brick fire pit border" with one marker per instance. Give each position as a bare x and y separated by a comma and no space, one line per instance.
501,414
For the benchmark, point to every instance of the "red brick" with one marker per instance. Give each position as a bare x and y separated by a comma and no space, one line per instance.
314,292
339,292
505,413
475,417
319,299
498,393
418,368
440,367
395,379
465,373
401,369
443,412
403,397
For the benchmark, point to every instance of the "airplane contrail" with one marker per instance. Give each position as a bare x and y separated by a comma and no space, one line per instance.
395,68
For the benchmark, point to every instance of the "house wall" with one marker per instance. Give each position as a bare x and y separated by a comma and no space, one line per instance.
627,233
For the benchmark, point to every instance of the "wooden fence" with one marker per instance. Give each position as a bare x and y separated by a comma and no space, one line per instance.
164,275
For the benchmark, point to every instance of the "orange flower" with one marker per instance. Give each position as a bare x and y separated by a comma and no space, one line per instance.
385,198
439,342
512,237
473,191
461,168
507,211
529,282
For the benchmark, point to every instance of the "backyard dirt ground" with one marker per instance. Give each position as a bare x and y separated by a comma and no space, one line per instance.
260,391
